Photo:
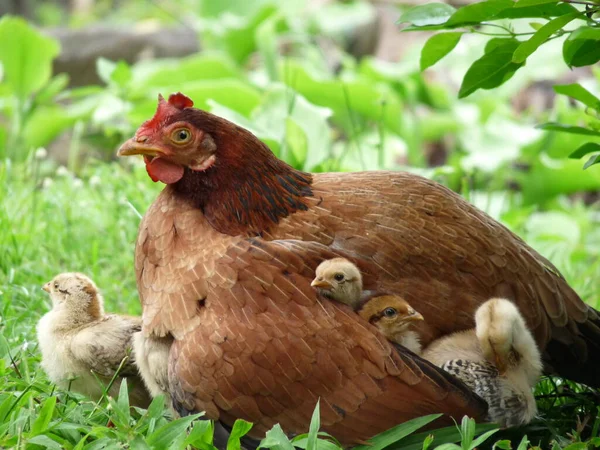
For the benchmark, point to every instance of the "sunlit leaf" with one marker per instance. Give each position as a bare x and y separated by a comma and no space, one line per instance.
529,46
594,159
239,430
551,126
395,434
26,56
427,14
589,147
478,12
522,3
582,47
438,46
578,92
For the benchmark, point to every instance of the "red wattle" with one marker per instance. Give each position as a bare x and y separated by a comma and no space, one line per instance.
160,169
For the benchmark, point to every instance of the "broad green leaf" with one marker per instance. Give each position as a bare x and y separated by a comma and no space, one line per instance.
522,3
529,46
582,47
45,441
427,14
491,70
123,400
542,11
467,431
239,430
165,435
445,435
276,439
45,416
577,446
493,43
536,25
301,441
201,434
594,159
52,88
138,443
313,430
438,46
551,126
121,75
395,434
26,56
105,68
448,447
266,41
578,92
478,12
589,147
296,144
503,445
156,408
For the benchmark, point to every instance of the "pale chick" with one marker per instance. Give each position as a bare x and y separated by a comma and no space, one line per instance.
499,360
152,359
339,279
82,347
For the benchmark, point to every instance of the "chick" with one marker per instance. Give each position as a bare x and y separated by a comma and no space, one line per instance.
152,359
499,360
339,279
81,345
394,317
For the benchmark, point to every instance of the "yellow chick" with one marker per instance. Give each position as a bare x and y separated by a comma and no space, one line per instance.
498,359
152,359
394,317
79,342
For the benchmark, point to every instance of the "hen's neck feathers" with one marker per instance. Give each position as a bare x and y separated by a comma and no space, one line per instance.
248,189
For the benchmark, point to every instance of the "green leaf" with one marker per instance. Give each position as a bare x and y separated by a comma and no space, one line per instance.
427,14
536,25
276,439
542,11
313,430
427,442
105,68
476,13
491,70
397,433
594,159
552,126
578,92
138,443
438,46
467,432
164,436
121,75
45,416
239,430
201,435
52,88
123,400
45,442
156,408
540,36
503,445
523,444
589,147
582,47
522,3
266,41
477,442
26,56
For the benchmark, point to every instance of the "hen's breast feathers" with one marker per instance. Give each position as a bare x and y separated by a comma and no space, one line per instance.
266,344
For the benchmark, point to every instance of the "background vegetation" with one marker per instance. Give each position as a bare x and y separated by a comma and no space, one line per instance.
291,73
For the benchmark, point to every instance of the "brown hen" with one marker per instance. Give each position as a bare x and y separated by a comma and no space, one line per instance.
226,254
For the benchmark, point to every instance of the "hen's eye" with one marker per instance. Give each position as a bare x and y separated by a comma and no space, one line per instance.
181,135
338,277
389,312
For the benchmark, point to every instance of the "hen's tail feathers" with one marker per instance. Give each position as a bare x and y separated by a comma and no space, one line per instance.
505,339
576,354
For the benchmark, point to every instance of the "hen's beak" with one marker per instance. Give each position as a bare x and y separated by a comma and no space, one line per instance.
321,284
46,287
138,146
414,315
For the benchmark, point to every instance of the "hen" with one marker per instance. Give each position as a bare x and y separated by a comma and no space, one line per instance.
82,347
226,253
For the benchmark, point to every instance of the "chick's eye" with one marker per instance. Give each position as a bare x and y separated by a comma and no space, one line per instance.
389,312
181,135
55,285
338,277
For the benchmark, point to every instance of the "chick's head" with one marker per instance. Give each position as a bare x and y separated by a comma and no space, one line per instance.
392,314
75,292
340,280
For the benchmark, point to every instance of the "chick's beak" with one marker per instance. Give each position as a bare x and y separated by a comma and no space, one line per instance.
140,146
46,287
317,283
415,315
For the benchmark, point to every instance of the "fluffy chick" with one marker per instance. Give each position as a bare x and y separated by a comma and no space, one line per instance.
152,359
498,360
339,279
79,342
394,317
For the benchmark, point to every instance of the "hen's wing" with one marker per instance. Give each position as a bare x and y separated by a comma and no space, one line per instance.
268,348
104,345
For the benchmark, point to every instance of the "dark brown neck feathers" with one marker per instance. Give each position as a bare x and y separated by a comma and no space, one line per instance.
248,189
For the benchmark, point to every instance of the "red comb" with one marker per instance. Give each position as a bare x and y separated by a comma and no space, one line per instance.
180,101
176,103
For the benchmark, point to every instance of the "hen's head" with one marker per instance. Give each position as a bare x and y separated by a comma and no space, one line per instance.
76,294
390,313
340,280
223,169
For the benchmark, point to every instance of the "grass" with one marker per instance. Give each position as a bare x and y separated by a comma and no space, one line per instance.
52,221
